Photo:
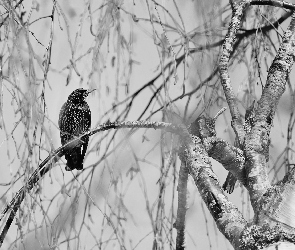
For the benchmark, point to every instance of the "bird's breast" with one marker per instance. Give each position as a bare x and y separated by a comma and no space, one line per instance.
75,118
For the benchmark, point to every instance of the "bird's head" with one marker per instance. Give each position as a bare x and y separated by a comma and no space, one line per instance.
79,95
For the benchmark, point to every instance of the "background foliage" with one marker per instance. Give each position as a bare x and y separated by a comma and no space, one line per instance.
148,60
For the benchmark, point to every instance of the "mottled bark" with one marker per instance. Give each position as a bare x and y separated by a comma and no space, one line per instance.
227,49
257,141
227,217
274,214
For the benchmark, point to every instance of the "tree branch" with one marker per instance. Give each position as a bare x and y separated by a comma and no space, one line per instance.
230,157
257,141
181,208
44,167
229,220
227,49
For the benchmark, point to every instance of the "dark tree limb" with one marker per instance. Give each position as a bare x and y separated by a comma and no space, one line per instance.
275,3
182,207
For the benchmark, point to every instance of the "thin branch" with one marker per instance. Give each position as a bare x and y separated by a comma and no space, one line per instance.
181,209
275,3
227,49
44,167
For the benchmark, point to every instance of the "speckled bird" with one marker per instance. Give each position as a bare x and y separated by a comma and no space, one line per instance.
74,120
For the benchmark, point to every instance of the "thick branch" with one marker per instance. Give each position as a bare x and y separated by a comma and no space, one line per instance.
257,141
276,206
230,157
227,217
259,237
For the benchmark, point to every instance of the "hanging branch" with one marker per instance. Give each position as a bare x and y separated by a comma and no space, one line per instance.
181,207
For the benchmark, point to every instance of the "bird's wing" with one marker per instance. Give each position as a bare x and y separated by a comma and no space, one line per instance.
86,138
86,126
84,147
61,115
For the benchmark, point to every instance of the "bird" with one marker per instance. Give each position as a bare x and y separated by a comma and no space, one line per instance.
74,120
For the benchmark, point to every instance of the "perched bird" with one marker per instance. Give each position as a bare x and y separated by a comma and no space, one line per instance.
74,120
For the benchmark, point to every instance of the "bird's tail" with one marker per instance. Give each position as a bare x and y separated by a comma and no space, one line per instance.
74,160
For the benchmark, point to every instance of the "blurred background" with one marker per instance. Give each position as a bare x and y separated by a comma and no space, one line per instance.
148,60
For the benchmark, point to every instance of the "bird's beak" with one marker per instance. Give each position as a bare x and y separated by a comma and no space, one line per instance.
89,91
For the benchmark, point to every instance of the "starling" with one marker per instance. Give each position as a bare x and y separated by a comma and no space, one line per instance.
74,120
